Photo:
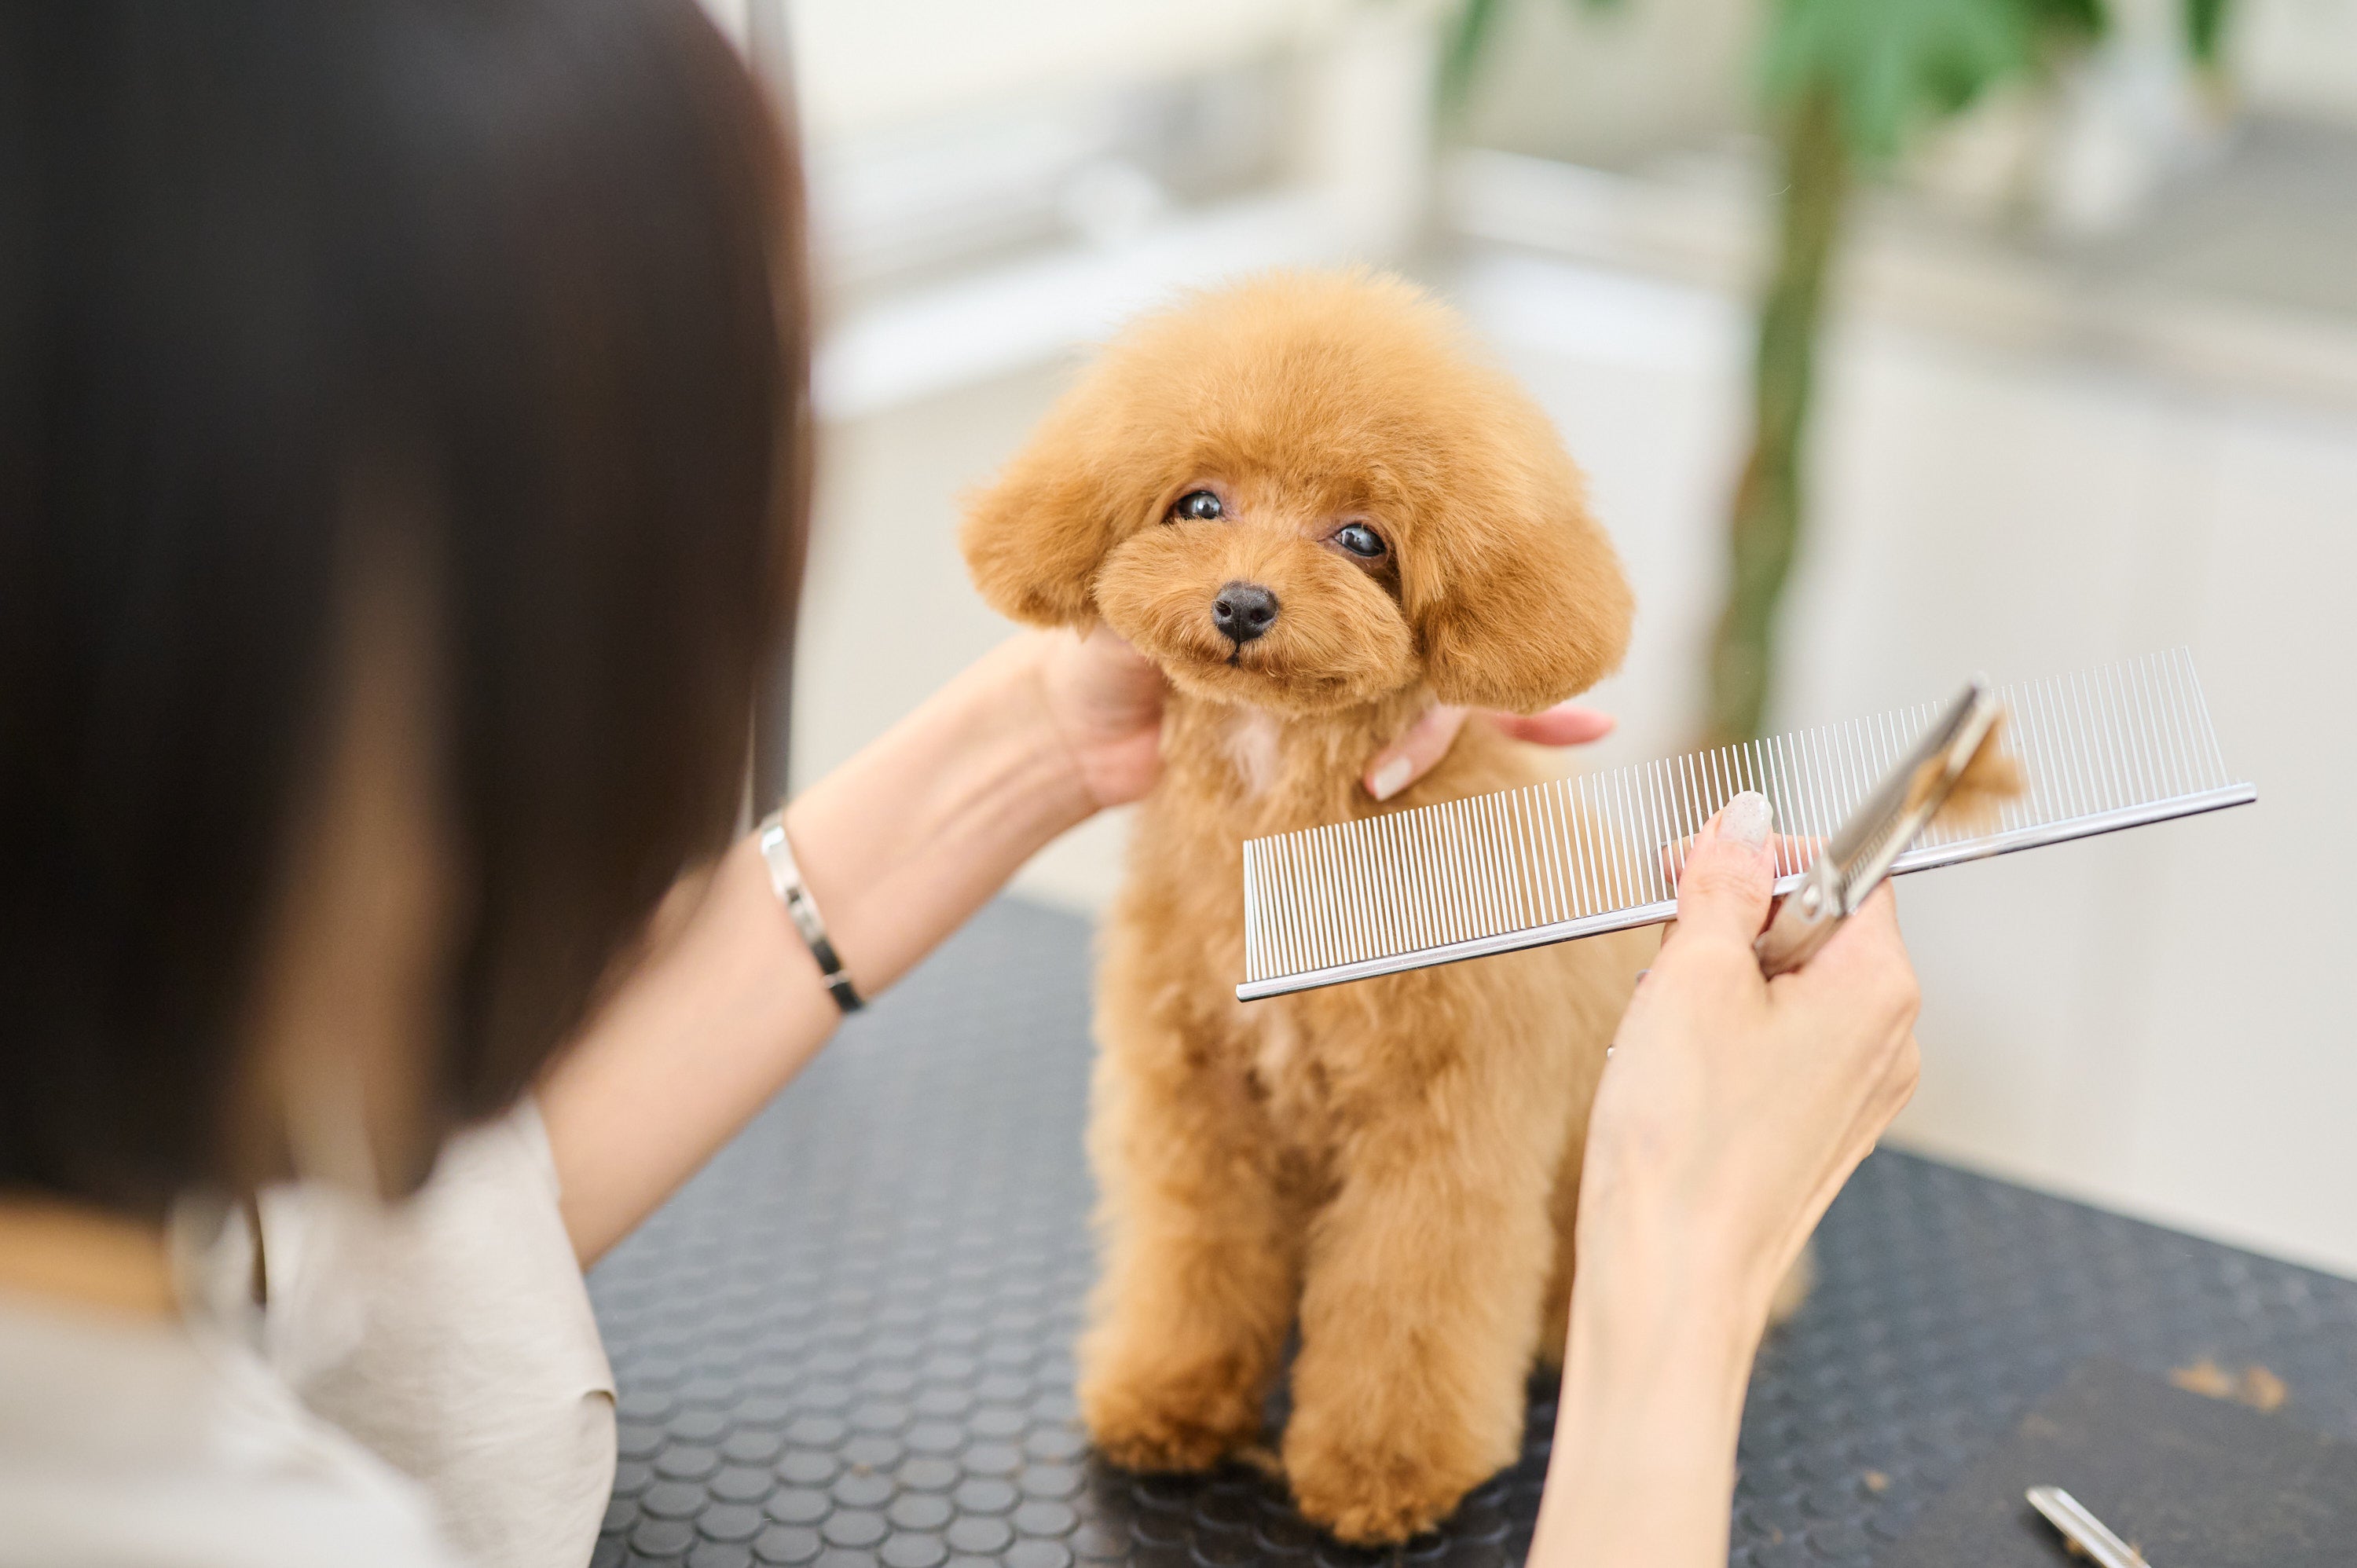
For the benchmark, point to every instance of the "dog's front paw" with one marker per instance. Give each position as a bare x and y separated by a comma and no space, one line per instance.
1169,1417
1377,1489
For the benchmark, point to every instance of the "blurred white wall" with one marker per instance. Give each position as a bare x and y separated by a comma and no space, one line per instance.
2160,1020
2024,465
2298,55
1609,84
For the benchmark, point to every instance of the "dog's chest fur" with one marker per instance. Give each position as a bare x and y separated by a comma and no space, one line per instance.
1235,773
1253,743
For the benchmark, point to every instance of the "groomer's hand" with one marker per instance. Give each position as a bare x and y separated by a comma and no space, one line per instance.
1105,699
1734,1108
1427,741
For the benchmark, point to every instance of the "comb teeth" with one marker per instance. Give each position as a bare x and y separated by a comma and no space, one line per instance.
2113,748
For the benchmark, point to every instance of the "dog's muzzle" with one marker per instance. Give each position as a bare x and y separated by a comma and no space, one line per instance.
1244,611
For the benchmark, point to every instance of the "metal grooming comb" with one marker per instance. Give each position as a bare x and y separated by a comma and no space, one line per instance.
2108,748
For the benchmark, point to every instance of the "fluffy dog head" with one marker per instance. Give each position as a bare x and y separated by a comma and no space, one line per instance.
1306,492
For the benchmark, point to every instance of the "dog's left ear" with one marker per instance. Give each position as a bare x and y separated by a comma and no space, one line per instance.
1034,537
1524,603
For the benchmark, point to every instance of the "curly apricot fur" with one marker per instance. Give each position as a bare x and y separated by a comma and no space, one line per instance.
1389,1164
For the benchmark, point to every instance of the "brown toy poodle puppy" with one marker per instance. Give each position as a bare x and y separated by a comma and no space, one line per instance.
1319,511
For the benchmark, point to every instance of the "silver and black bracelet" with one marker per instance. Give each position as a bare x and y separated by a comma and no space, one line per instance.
786,878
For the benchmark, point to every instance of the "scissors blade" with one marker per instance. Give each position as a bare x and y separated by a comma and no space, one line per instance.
2080,1526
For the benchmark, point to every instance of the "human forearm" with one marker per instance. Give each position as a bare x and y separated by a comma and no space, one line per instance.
903,843
898,846
1643,1461
1732,1111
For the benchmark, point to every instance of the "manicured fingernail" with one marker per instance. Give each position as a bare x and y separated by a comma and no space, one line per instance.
1389,779
1748,817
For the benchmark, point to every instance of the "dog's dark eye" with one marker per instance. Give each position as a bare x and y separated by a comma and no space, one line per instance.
1198,506
1360,541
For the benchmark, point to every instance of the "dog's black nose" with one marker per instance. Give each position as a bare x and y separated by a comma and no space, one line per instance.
1243,610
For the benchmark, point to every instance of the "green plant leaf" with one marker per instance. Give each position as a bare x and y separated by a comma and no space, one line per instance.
1462,50
2205,29
2082,19
1893,64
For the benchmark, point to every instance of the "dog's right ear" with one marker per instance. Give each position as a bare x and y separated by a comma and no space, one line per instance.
1034,537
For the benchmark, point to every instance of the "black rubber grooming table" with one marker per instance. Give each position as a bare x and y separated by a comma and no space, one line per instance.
848,1341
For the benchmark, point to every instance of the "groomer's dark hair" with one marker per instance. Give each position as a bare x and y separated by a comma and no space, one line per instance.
513,284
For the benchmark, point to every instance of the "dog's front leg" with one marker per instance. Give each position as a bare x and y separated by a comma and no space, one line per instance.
1201,1257
1421,1305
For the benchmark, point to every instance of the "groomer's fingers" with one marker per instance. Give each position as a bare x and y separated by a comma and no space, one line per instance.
1411,757
1566,724
1427,740
1724,889
1864,962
